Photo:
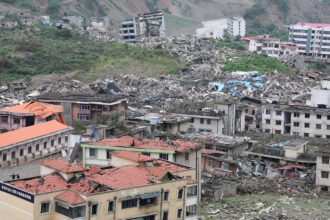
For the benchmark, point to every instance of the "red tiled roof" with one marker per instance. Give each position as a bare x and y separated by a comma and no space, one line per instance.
154,145
129,177
39,109
124,141
171,167
34,131
184,145
132,156
315,25
207,151
45,184
70,197
62,166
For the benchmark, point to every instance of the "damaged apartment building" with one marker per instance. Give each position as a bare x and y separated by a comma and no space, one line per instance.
310,119
145,25
69,191
88,109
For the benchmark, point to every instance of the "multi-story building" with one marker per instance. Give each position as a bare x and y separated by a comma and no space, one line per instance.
145,25
28,114
67,191
102,109
236,26
312,39
309,120
182,152
30,143
272,47
323,169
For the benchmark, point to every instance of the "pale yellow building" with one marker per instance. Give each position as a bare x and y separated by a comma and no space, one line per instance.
155,191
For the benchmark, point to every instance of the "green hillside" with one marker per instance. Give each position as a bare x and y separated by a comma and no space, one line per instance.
32,51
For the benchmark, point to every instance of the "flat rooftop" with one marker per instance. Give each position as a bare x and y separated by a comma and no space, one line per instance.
81,98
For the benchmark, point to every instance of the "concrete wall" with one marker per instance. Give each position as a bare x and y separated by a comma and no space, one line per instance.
215,126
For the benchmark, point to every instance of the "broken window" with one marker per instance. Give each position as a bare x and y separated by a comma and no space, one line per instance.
328,127
166,194
267,121
94,209
84,117
4,119
296,124
208,121
186,156
148,201
111,205
328,117
324,174
324,188
13,155
191,210
201,120
16,120
278,132
192,120
179,213
130,203
84,106
165,215
325,159
163,156
327,136
21,152
307,115
278,113
44,207
109,155
319,116
4,157
71,212
267,130
306,134
267,112
52,142
180,193
92,152
306,125
45,145
278,122
59,140
318,136
191,191
296,114
318,126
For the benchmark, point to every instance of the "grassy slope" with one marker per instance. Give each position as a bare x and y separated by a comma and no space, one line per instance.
173,22
260,63
39,50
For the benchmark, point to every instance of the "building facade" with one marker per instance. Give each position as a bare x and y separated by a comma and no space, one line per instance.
236,26
28,114
323,170
126,193
145,25
102,109
312,39
33,142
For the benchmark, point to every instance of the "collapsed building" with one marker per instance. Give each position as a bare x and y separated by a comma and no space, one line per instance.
145,25
87,109
270,46
310,119
28,114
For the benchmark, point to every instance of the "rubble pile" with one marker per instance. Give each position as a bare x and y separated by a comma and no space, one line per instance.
266,207
261,185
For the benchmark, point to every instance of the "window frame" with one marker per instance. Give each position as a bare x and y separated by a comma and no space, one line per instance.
91,209
49,207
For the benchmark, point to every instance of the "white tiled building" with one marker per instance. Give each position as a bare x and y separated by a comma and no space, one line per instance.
312,39
236,26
